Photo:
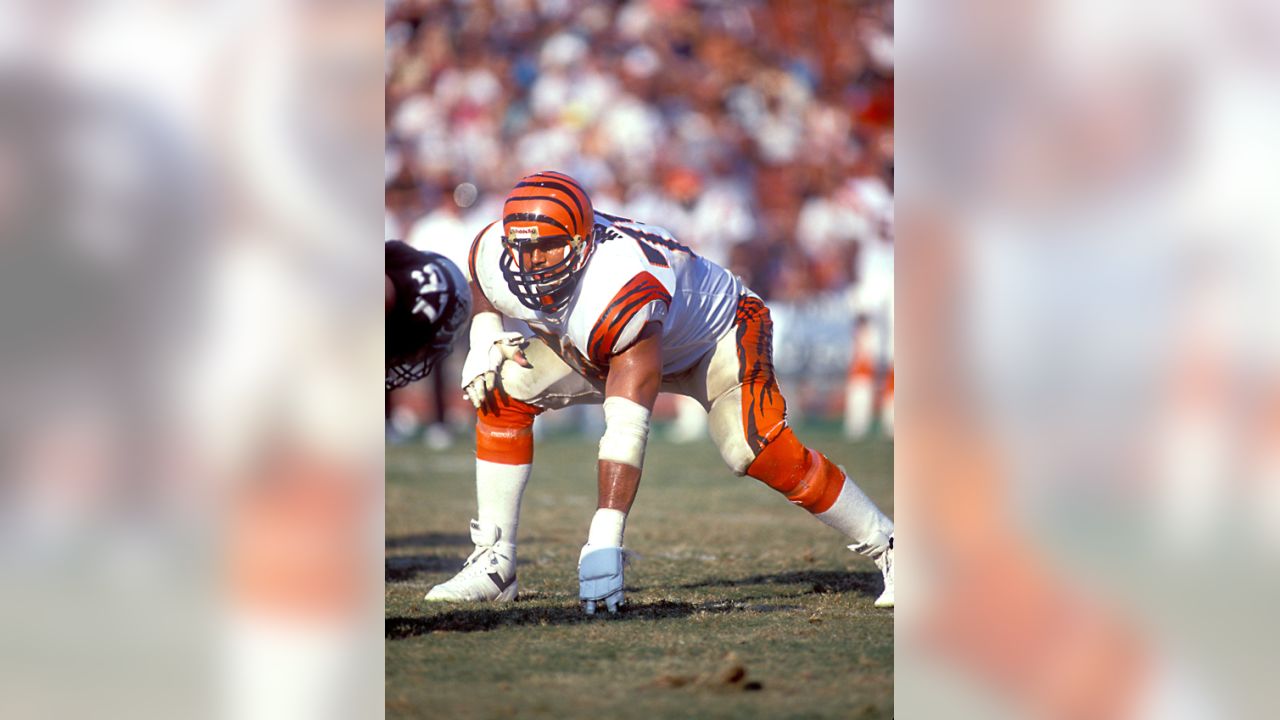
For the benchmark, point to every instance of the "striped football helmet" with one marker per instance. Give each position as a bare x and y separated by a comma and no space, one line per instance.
546,210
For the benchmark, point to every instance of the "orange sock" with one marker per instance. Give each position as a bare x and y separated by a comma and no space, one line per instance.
805,476
504,431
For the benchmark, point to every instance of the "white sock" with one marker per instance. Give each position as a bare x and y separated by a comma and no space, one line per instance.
857,517
606,528
859,402
498,491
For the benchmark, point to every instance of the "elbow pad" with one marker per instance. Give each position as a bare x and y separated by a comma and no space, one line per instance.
626,432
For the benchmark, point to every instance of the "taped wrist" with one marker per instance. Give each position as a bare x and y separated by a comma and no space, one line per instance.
607,526
626,432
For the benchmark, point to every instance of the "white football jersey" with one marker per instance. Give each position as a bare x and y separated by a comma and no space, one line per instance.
637,274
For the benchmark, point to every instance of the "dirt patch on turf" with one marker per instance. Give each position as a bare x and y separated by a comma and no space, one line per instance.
729,675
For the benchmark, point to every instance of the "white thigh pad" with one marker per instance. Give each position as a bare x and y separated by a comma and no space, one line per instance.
728,432
550,383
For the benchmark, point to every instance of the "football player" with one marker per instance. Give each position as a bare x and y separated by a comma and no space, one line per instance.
620,311
427,301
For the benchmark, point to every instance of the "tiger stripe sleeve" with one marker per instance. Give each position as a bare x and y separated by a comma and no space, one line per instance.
609,334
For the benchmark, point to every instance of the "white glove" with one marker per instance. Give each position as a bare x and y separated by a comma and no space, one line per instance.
490,347
600,578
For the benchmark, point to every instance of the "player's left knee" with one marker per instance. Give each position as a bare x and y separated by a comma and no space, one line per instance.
805,476
726,431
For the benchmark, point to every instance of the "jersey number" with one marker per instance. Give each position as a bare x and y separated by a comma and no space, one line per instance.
650,242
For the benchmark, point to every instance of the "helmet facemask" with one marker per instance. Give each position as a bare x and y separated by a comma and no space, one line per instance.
548,288
544,211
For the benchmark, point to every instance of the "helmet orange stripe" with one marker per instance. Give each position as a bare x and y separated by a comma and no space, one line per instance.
552,205
570,188
575,193
541,202
561,176
575,188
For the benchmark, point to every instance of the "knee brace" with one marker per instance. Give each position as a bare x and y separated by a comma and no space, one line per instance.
504,432
805,476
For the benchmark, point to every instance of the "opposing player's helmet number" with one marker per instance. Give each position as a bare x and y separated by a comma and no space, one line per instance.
546,211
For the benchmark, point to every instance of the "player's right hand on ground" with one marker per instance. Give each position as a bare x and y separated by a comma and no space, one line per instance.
480,370
600,578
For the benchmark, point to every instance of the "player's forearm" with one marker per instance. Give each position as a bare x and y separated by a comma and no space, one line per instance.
622,452
486,321
617,485
630,391
626,414
618,472
491,346
486,328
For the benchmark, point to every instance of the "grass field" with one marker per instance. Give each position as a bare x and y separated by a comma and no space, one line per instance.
739,605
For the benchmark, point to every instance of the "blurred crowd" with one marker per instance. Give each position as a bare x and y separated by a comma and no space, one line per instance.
759,132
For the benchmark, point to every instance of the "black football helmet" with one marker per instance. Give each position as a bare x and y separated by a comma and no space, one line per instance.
432,304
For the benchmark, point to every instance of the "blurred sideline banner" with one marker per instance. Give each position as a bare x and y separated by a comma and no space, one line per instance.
1088,453
191,518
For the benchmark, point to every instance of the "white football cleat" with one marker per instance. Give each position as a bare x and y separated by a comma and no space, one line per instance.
885,563
488,574
884,560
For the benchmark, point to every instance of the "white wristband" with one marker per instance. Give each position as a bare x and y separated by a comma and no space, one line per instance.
626,431
606,530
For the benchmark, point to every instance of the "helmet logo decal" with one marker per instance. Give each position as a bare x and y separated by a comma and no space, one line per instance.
430,282
525,234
